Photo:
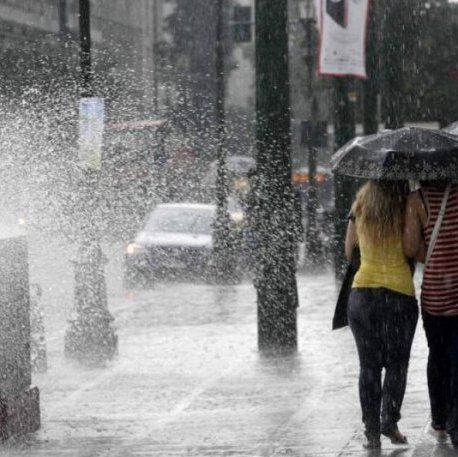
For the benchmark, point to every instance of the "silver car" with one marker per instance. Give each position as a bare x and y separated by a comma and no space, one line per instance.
176,241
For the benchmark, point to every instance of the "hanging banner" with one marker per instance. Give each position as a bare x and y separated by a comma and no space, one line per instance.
91,119
343,25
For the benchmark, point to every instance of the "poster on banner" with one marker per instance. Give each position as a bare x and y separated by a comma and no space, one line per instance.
91,120
343,25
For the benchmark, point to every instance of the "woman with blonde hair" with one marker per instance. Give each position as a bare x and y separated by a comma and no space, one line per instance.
382,309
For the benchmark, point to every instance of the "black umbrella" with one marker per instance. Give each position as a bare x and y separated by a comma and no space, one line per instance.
405,153
239,164
452,128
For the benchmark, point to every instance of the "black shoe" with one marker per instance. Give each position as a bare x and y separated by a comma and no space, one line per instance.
454,438
372,443
395,436
438,432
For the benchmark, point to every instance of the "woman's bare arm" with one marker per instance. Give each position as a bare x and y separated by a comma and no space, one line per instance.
412,239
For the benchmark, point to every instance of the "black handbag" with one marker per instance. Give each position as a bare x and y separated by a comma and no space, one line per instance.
340,313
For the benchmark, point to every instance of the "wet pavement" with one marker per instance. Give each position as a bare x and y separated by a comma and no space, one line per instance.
189,381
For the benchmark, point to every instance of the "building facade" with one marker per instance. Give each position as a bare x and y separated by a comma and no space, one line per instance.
40,38
39,41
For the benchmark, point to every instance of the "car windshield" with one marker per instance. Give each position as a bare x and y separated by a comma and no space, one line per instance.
180,220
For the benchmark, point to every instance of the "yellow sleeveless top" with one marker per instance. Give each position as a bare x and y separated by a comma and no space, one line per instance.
384,265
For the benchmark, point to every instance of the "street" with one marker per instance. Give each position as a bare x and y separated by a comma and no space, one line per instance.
213,138
188,379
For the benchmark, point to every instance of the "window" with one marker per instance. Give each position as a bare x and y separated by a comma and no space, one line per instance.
242,14
242,24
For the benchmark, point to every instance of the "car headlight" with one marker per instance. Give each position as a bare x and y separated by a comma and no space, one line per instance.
237,217
241,184
133,249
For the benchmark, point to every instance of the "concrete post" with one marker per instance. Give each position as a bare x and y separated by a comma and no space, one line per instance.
221,231
276,285
19,400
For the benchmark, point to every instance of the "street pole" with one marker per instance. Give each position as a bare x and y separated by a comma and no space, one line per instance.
156,60
223,262
344,187
371,84
63,19
85,48
90,337
392,58
312,248
275,282
64,39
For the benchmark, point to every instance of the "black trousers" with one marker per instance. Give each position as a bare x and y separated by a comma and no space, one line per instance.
442,336
383,323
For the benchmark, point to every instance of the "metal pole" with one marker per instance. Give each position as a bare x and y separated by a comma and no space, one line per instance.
312,249
276,285
344,187
371,84
90,337
392,57
64,36
155,47
63,18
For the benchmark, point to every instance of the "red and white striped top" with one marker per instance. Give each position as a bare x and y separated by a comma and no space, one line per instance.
439,290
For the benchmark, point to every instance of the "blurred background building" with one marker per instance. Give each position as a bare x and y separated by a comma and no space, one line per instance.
154,60
144,62
40,50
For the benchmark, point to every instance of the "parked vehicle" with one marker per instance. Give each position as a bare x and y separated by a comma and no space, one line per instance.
237,170
325,204
324,186
176,241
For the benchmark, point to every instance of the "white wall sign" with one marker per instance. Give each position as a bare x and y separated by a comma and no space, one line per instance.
91,119
343,25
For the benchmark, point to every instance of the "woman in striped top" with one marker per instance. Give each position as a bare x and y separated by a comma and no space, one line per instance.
439,297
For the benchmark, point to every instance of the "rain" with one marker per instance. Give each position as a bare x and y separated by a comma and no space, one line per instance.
179,182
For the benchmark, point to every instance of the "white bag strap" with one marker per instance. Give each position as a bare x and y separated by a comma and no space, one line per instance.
438,223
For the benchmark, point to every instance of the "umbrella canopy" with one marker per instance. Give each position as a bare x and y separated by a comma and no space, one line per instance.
239,164
405,153
452,128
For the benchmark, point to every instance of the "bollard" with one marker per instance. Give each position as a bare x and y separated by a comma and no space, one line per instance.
38,352
91,338
19,400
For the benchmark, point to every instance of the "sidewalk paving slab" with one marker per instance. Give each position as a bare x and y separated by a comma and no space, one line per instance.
189,381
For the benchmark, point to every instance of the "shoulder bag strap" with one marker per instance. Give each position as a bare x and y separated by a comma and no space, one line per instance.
438,223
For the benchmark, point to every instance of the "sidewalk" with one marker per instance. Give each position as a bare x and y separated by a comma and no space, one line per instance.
189,381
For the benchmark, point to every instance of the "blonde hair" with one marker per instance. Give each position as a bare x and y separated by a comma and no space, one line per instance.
379,209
